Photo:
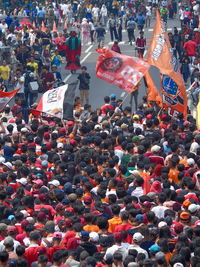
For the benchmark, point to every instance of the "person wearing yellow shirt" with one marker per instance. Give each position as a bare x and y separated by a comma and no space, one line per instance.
5,72
116,220
33,64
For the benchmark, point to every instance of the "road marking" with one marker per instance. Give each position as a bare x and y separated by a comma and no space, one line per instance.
86,57
67,78
120,43
168,29
88,49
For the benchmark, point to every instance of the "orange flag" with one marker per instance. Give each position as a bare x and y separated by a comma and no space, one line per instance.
161,56
152,91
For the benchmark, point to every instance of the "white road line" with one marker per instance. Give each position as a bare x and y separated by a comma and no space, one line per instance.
67,78
168,29
88,49
69,75
120,43
86,57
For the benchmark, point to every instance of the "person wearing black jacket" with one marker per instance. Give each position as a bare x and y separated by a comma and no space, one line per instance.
84,79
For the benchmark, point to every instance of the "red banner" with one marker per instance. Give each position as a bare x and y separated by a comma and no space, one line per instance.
122,70
5,98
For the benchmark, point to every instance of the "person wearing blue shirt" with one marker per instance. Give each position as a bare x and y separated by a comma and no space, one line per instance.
57,76
8,21
41,16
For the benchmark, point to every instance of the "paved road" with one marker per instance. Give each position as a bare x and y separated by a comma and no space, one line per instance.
100,88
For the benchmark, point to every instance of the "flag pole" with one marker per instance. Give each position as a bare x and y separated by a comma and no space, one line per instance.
119,106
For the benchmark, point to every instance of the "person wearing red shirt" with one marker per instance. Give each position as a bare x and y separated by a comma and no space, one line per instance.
57,237
106,106
125,225
47,78
190,47
140,44
31,253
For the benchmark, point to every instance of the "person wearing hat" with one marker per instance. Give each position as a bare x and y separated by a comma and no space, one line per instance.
137,240
73,51
56,244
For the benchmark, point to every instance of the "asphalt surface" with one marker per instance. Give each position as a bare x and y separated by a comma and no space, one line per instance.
100,88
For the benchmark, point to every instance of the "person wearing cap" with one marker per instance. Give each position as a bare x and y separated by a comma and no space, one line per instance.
56,245
113,100
84,85
137,240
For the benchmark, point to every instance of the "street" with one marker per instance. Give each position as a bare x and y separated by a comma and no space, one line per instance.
100,88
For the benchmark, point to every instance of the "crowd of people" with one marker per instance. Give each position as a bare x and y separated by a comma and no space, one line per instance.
113,187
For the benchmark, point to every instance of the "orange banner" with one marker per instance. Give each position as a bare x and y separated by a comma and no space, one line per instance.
161,56
122,70
152,92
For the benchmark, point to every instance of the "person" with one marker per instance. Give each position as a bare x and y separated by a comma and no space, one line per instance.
5,72
73,51
84,82
57,76
148,15
190,47
140,44
104,15
100,35
29,93
116,47
19,80
85,31
134,95
130,29
47,79
140,21
112,24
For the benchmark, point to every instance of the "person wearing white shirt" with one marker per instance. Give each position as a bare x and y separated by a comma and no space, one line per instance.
3,26
95,12
19,83
137,239
159,209
104,14
138,191
148,15
117,247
